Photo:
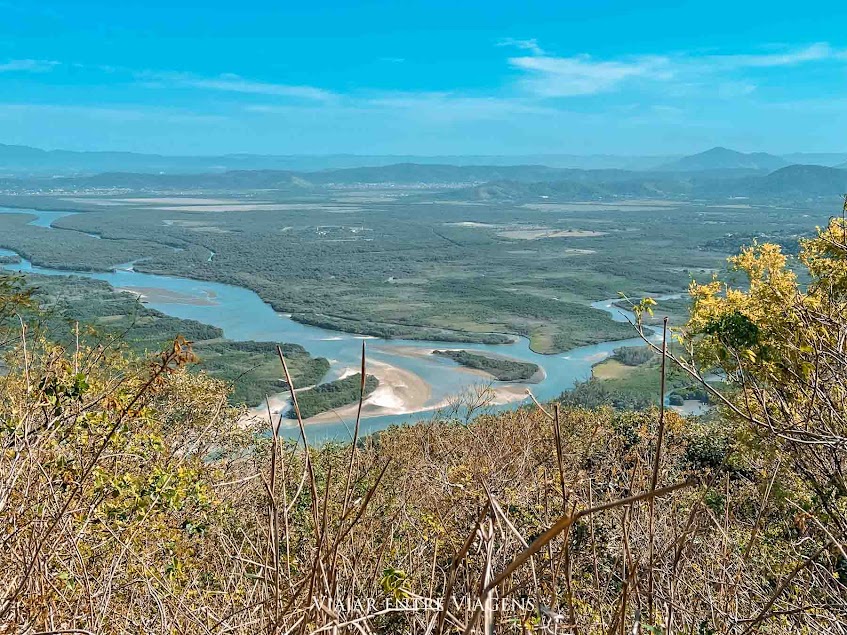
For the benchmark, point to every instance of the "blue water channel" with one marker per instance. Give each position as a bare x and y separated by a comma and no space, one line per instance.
243,315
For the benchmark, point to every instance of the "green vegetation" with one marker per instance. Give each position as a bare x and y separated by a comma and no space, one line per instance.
67,300
633,355
72,250
251,368
333,394
675,400
595,393
692,392
501,368
630,380
416,267
133,495
641,383
675,309
397,331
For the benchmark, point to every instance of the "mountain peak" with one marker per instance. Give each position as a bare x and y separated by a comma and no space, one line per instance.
720,158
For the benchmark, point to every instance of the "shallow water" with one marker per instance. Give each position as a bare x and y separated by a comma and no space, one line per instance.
243,315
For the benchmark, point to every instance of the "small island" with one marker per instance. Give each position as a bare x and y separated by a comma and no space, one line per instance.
501,368
333,394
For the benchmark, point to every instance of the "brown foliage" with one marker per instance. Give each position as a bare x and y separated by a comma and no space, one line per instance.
132,500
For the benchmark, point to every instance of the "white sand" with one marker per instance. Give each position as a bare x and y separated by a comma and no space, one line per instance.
399,392
535,234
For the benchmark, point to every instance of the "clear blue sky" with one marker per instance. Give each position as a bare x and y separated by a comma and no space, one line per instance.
424,77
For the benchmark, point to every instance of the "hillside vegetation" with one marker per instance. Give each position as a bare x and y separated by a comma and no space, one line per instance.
132,500
106,314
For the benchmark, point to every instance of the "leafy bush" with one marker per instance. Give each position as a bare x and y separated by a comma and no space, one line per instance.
595,394
634,355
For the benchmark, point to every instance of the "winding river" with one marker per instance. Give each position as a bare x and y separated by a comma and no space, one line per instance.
243,315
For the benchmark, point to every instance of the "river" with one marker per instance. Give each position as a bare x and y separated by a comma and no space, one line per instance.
243,315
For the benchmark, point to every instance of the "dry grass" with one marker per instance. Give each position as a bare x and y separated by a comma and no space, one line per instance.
131,501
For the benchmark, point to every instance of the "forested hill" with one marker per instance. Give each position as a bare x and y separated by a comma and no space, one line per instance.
791,182
724,158
802,180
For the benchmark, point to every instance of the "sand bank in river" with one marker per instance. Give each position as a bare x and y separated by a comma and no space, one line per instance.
499,393
399,392
427,354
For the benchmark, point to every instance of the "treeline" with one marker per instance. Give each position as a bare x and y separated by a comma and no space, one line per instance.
633,355
502,369
71,250
637,389
253,368
644,356
105,314
594,393
100,309
333,394
398,331
694,392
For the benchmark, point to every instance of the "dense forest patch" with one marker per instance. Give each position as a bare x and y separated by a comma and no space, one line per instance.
501,369
333,394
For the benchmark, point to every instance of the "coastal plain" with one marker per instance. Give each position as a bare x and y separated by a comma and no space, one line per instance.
411,264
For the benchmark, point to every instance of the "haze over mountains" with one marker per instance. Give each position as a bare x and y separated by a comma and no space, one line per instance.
718,173
795,182
28,161
725,159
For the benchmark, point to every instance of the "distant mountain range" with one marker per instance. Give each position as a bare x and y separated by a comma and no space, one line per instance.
490,183
27,161
718,173
403,174
725,159
794,182
797,181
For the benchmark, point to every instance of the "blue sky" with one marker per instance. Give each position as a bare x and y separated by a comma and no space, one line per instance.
423,77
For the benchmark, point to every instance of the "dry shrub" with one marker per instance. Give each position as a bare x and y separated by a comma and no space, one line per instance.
132,500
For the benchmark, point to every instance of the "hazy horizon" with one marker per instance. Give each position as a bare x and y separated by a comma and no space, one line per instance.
407,155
